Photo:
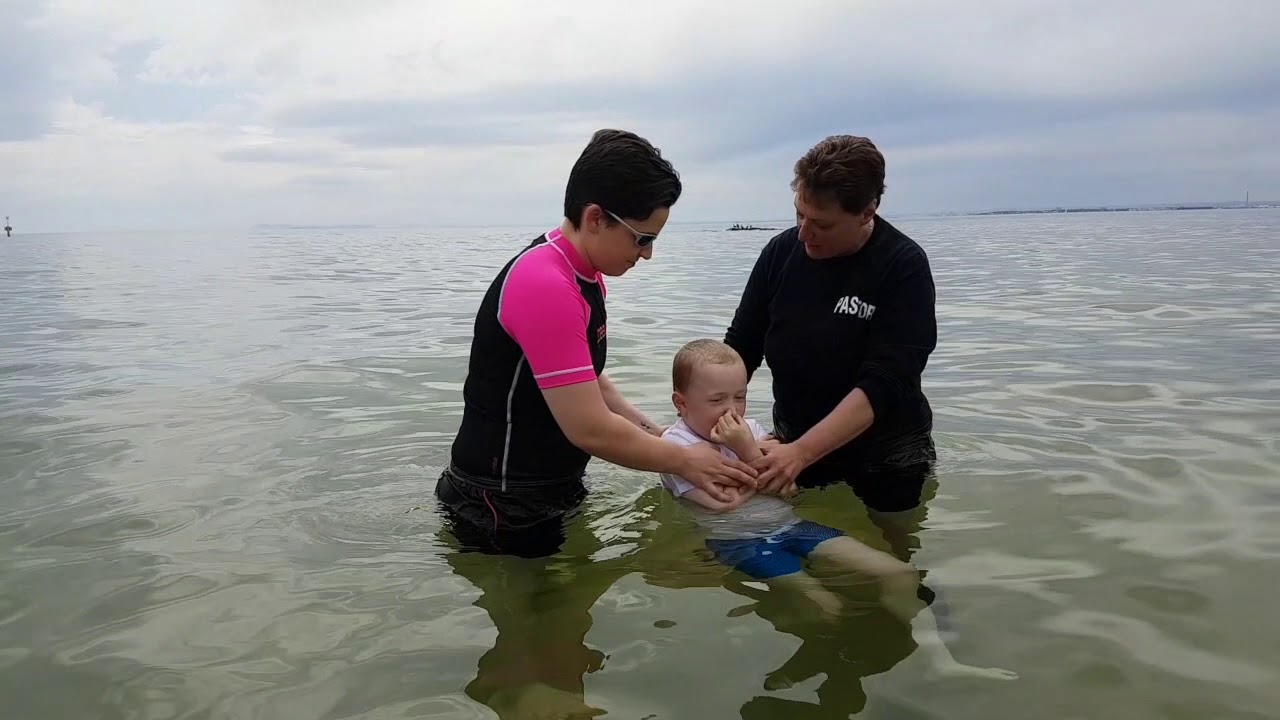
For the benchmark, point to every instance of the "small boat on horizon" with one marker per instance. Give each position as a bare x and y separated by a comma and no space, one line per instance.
738,226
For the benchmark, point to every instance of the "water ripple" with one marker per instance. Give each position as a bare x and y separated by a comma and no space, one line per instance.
217,455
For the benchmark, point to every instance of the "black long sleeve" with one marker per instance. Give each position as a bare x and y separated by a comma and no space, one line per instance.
904,331
828,326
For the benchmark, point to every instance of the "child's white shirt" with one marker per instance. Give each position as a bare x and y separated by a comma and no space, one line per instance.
759,516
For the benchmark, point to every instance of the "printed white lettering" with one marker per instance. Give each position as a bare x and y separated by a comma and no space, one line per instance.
852,305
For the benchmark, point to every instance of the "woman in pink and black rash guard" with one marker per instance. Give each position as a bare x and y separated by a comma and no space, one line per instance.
538,405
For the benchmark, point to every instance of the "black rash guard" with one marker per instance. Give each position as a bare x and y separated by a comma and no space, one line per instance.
828,326
542,324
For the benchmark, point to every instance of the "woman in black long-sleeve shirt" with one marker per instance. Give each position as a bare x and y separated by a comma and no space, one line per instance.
841,307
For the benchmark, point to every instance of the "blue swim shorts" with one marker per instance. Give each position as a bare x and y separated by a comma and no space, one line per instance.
779,554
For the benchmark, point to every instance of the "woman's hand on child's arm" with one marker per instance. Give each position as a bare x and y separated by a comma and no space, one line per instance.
768,444
787,490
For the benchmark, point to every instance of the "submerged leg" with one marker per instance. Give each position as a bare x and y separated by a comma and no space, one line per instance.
899,585
803,584
806,585
538,599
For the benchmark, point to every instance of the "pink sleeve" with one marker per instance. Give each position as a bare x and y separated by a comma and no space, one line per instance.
545,313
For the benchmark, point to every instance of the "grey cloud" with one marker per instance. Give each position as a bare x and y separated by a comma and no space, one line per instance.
1159,157
780,106
132,98
327,180
286,155
1109,135
1076,119
34,59
729,112
27,89
275,154
417,134
471,120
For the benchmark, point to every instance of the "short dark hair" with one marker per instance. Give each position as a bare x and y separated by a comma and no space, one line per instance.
622,173
845,168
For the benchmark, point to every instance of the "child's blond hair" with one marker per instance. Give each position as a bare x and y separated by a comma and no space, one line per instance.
695,354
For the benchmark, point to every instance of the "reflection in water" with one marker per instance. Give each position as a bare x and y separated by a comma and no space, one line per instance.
542,610
864,644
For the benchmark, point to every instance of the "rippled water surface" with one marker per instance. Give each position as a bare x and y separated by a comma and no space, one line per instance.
217,454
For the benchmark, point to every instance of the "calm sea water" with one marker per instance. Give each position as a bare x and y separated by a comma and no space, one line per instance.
217,454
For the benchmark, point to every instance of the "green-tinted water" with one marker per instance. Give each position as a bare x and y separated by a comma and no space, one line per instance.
217,456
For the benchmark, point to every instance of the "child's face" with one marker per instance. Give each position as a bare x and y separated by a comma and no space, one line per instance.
713,390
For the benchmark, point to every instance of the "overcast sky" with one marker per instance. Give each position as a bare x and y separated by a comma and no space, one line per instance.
144,114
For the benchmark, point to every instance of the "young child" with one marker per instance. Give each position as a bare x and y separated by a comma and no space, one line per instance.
761,535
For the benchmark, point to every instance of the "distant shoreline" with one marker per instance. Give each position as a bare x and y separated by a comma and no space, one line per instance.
295,227
936,214
1104,209
314,227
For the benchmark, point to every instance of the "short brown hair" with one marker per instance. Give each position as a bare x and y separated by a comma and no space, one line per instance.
845,168
696,353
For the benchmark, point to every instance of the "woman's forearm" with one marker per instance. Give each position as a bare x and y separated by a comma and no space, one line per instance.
847,421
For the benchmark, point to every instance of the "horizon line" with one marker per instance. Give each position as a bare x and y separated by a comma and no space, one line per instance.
1025,210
